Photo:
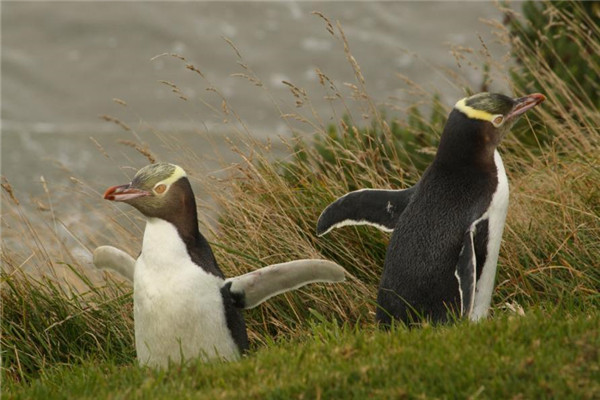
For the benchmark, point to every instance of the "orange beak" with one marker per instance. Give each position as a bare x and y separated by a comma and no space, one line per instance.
526,103
124,193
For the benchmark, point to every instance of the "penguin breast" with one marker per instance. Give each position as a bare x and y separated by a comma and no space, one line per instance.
496,215
178,307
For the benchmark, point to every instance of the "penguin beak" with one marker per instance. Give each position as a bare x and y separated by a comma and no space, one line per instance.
525,103
124,193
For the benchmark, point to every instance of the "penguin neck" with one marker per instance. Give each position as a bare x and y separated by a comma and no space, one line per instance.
466,143
184,218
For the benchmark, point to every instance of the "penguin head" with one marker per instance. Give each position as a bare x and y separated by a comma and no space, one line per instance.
477,124
157,190
496,113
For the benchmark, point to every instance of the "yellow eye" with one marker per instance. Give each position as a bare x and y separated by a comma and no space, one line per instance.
498,120
160,188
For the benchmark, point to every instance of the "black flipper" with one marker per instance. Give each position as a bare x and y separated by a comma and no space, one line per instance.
466,271
380,208
234,318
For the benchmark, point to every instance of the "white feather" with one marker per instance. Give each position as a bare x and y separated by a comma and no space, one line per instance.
111,258
471,294
460,291
178,307
496,215
350,222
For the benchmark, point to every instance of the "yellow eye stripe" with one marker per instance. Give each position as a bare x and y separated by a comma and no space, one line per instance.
178,173
473,113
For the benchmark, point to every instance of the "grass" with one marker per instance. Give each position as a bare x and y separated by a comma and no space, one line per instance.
508,357
53,327
68,332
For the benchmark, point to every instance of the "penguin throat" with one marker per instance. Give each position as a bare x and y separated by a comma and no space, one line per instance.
162,237
181,211
182,215
467,142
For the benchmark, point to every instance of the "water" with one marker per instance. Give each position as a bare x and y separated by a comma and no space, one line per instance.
63,63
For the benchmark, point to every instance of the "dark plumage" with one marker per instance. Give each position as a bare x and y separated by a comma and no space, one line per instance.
442,255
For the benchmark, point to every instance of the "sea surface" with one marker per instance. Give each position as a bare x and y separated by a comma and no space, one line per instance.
69,70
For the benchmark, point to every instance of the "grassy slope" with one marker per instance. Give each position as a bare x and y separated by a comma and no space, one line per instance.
541,355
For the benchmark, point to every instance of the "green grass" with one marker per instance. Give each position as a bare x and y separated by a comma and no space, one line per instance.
45,324
544,354
69,333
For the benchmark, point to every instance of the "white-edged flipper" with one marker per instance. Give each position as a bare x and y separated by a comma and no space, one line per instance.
377,207
253,288
111,258
466,272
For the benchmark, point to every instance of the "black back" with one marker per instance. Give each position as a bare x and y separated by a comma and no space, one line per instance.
418,279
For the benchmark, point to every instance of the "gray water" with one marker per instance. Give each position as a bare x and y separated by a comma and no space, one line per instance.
63,63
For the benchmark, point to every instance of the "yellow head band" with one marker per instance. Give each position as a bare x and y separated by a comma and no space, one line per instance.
495,119
177,173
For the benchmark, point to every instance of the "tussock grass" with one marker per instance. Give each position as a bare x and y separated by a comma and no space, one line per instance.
551,249
548,354
264,211
44,324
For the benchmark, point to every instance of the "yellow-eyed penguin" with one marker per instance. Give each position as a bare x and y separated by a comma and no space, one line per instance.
183,306
442,255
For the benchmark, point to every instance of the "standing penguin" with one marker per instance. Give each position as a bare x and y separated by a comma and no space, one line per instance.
183,306
441,259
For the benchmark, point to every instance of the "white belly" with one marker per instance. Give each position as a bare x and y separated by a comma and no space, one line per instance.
496,215
178,308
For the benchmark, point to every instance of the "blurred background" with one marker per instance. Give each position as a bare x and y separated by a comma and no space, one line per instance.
64,63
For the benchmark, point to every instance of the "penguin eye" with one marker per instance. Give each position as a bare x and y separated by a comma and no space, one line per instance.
160,188
498,120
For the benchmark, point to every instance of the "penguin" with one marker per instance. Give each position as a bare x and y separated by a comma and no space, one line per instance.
184,307
441,259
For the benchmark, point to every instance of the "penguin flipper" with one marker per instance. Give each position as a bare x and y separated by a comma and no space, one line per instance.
251,289
111,258
377,207
466,270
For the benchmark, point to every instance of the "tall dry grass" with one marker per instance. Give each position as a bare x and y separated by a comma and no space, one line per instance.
551,249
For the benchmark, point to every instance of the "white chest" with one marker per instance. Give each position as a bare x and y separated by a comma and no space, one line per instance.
496,215
178,308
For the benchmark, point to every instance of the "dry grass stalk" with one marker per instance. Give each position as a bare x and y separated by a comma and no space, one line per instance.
99,147
196,70
120,102
9,190
116,121
143,150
